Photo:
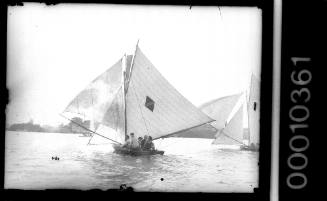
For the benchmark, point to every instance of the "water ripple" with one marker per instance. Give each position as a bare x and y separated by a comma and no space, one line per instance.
204,168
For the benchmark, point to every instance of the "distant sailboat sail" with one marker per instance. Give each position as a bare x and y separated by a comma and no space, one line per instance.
133,97
254,111
233,132
220,109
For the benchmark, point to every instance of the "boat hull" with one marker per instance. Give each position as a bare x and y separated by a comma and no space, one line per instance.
125,151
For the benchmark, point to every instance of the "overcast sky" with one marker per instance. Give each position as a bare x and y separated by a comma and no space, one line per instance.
55,51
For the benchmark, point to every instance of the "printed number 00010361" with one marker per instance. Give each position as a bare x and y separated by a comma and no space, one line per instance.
299,114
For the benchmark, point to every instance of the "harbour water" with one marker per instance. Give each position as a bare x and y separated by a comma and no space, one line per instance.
188,165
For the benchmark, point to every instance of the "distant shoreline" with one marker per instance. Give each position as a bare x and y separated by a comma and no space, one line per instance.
62,128
25,131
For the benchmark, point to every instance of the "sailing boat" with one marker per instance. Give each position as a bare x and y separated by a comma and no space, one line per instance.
133,97
231,132
253,108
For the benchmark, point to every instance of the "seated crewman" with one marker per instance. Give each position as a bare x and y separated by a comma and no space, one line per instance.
133,142
149,145
144,141
139,140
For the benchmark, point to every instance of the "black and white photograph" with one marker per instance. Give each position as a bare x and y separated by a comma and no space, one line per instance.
152,98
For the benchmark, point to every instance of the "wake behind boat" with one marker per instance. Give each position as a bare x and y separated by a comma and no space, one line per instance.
133,97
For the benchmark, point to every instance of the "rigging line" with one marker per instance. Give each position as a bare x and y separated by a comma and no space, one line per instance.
141,111
88,129
88,143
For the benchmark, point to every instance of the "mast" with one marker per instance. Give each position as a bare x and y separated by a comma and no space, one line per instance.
126,84
126,80
132,65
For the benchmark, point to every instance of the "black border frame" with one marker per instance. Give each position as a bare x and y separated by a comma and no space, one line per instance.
262,193
303,35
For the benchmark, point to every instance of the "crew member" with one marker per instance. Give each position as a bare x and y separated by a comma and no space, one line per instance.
133,142
148,146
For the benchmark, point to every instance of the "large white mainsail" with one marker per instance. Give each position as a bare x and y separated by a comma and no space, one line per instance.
153,106
232,133
254,110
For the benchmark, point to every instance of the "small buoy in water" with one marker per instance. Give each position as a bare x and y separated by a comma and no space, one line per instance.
162,179
55,158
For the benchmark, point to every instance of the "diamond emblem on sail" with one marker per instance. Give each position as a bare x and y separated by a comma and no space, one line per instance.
149,103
